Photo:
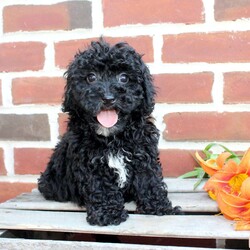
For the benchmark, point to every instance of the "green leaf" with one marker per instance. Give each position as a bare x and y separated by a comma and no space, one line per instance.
210,145
201,177
198,172
190,174
201,172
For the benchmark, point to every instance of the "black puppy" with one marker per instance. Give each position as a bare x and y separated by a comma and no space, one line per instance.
109,153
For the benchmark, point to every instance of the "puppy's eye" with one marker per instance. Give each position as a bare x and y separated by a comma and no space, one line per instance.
91,78
123,78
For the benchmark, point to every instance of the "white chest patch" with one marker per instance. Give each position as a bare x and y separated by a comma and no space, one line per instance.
117,163
103,131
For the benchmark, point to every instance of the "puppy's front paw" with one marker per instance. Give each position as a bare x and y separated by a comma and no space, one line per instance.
158,207
177,211
102,217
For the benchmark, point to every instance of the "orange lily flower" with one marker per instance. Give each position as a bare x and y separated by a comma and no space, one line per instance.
230,186
212,166
230,176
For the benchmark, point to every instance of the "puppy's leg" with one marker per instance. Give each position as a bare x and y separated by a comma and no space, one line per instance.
105,204
152,196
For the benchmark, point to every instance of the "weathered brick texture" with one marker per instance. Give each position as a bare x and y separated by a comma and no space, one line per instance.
146,12
38,90
1,98
2,166
31,160
62,121
24,127
217,47
207,126
177,162
63,16
65,51
227,10
237,87
11,190
184,88
21,56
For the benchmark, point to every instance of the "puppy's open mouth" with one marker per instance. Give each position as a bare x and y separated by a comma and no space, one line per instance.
107,118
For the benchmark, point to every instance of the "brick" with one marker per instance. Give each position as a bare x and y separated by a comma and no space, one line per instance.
63,122
184,88
130,12
65,50
142,44
33,127
2,166
11,190
230,10
63,16
21,56
176,162
38,90
31,160
236,87
1,98
207,126
218,47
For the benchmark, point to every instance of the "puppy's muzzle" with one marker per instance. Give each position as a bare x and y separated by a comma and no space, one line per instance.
108,100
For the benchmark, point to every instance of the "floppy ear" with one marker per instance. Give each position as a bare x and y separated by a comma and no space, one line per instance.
67,105
67,101
149,91
72,76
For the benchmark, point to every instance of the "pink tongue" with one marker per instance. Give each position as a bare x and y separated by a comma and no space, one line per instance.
107,118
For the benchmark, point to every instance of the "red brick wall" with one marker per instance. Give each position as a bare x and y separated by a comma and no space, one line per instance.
198,52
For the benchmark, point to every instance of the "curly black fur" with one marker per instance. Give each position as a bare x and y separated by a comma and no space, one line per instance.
99,167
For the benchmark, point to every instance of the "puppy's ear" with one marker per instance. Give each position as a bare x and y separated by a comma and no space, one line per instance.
149,91
71,76
67,105
67,102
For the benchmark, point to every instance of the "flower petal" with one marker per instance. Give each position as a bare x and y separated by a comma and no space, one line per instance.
221,159
230,211
245,189
233,200
209,167
212,195
245,214
221,177
233,207
244,166
226,173
242,225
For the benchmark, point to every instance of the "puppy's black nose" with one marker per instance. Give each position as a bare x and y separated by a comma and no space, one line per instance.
108,99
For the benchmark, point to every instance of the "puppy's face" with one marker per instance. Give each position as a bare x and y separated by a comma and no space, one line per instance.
108,86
